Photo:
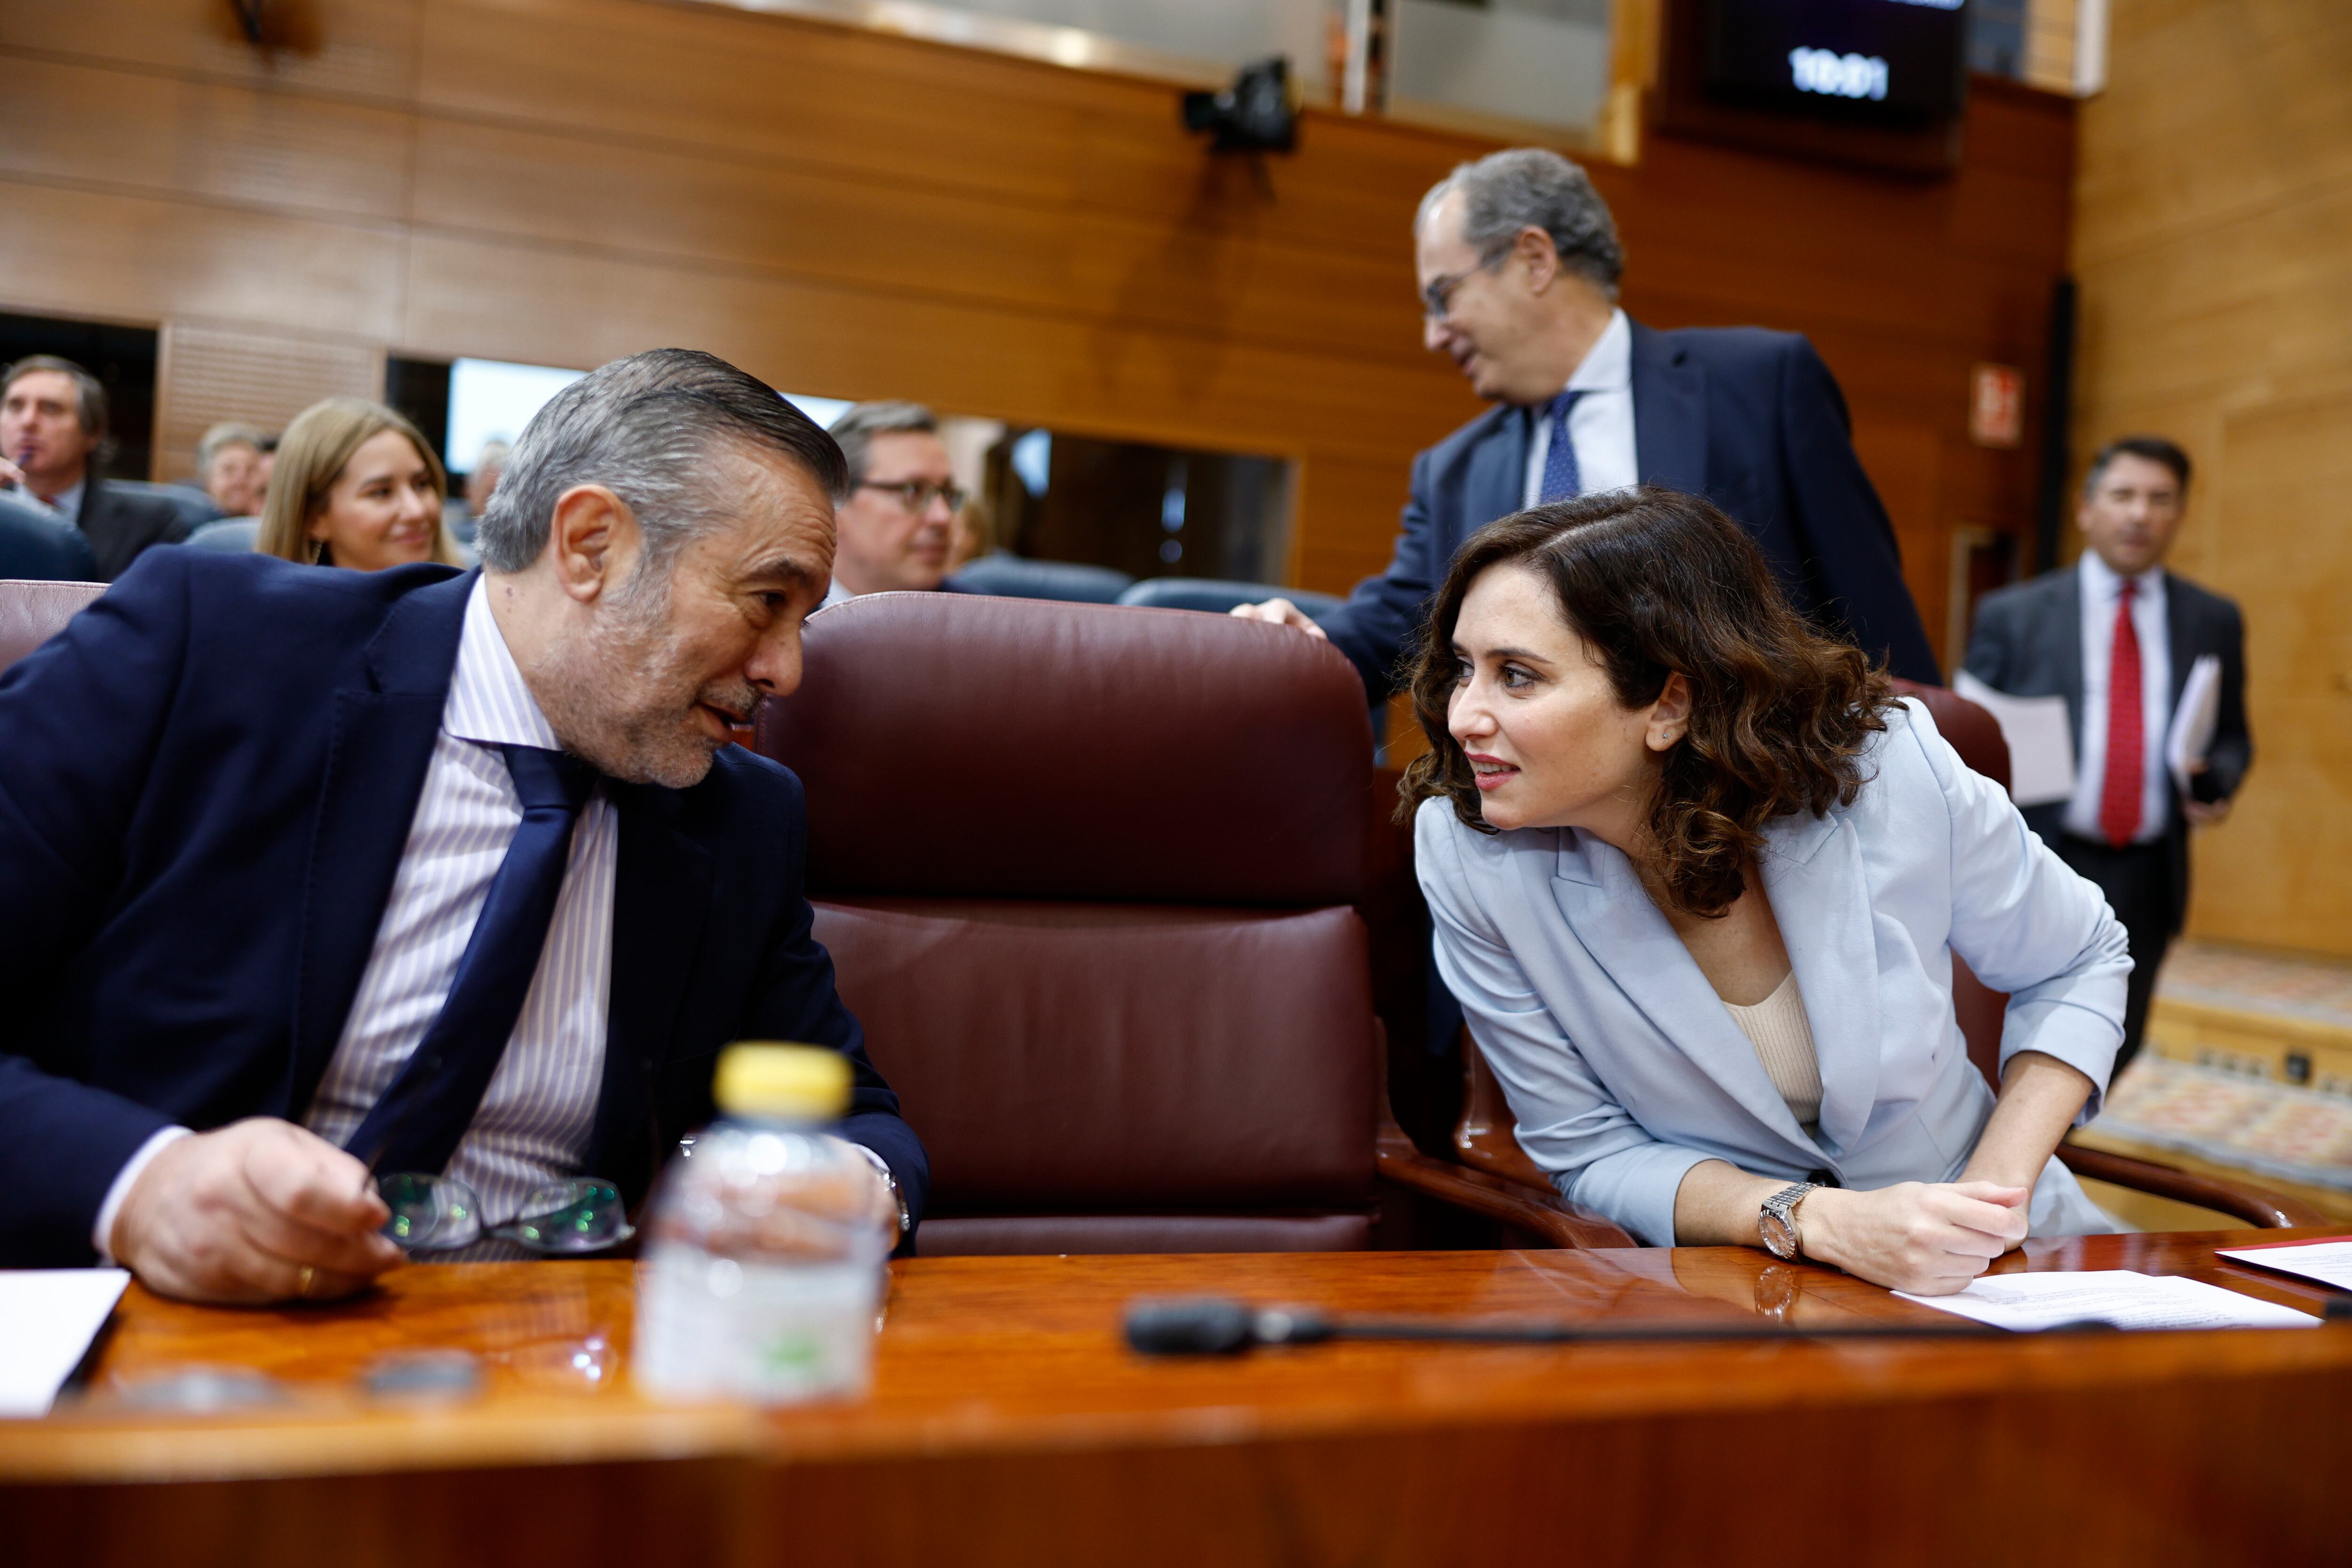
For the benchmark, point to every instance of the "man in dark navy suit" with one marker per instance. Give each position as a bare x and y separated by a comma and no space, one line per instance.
1519,264
303,869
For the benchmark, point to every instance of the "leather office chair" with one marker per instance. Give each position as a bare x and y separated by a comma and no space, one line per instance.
1087,874
1217,596
1018,577
1485,1138
228,535
194,507
33,612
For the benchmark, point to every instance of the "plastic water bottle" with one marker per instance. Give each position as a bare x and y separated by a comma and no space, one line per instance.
765,1243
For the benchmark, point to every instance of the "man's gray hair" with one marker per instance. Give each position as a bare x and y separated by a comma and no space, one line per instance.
646,427
1533,187
859,424
221,437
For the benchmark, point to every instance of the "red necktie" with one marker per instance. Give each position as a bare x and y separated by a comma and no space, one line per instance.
2119,793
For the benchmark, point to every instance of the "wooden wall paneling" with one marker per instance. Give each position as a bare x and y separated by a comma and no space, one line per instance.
2213,245
1347,512
2284,552
1901,459
209,375
79,252
351,46
161,134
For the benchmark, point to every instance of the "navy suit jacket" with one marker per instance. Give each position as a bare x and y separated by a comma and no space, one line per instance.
1750,419
210,777
2027,642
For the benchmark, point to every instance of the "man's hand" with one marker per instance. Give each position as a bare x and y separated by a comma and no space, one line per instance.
260,1210
1928,1239
12,477
1279,613
2204,813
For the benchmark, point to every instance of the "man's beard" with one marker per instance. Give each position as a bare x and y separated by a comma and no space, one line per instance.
619,697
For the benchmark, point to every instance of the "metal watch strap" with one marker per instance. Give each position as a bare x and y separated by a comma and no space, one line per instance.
1782,1208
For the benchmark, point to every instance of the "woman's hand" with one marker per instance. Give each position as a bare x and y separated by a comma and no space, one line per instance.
1930,1239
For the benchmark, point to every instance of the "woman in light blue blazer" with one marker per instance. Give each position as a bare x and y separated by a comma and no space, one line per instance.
1698,879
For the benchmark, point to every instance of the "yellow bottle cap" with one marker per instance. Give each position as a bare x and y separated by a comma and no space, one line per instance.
796,1083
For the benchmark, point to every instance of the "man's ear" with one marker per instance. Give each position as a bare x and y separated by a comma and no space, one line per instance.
590,540
1670,714
1538,256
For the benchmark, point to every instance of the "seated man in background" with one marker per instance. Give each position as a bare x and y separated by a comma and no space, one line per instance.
229,462
481,484
53,433
457,871
1518,263
2117,635
897,517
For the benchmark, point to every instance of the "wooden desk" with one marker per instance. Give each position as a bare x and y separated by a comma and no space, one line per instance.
1008,1424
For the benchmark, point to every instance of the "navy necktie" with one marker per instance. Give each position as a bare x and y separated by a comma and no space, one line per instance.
1562,478
417,1123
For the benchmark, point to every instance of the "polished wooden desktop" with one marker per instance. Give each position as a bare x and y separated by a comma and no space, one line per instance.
1008,1424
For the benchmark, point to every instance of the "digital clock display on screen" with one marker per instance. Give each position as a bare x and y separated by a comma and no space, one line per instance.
1899,62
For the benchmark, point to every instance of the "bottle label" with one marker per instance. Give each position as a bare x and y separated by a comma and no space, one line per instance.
711,1327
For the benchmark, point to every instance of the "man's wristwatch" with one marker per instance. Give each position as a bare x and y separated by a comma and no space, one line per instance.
1777,1224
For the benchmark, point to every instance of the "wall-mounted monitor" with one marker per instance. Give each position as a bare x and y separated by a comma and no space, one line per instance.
1897,63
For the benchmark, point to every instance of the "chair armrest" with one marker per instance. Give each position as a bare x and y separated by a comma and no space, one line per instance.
1537,1210
2255,1205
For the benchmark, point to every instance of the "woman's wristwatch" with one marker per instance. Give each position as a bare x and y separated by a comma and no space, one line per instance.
1777,1222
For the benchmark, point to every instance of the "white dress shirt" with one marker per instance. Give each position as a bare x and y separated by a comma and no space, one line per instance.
1600,424
67,502
537,1114
2102,587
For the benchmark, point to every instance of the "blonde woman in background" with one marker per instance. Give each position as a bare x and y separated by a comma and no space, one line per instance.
355,485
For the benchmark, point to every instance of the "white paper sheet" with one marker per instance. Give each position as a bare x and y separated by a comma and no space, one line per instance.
2027,1302
2193,721
48,1318
2040,740
2329,1262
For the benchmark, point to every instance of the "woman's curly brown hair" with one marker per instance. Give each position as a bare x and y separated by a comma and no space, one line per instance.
1656,582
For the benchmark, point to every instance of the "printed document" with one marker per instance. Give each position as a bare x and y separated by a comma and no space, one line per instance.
2040,740
48,1318
2327,1261
2194,720
2027,1302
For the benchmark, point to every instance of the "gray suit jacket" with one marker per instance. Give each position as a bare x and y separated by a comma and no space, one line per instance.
2027,642
120,525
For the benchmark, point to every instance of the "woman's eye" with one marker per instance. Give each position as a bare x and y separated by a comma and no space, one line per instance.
1514,679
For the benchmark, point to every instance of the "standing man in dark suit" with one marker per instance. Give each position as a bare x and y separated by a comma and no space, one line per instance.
1519,264
53,437
2117,635
302,870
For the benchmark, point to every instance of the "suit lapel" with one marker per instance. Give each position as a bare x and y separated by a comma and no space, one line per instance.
2063,625
1812,874
2179,638
1629,937
1669,415
1497,481
661,896
380,742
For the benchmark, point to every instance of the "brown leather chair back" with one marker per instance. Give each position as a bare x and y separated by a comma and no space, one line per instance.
33,612
1486,1136
1086,876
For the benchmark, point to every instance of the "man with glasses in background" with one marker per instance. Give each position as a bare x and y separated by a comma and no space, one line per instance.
898,521
1518,265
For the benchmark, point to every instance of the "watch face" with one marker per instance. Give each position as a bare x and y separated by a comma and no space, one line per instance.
1779,1235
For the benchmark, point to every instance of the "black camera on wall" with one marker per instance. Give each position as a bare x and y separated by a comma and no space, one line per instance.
1254,115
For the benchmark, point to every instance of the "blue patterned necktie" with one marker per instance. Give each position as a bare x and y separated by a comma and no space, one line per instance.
419,1119
1562,478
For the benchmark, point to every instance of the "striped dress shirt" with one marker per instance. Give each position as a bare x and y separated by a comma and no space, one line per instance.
538,1112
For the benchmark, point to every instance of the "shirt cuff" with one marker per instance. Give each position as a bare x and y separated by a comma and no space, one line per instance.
124,1180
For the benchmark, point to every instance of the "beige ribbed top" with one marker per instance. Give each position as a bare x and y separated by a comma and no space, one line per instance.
1783,1039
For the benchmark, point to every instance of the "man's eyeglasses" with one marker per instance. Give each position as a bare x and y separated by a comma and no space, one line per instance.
566,1219
1437,296
917,495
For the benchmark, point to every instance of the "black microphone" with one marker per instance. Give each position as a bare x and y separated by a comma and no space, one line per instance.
1217,1325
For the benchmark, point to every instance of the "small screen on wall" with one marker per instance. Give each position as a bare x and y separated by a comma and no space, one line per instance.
1886,62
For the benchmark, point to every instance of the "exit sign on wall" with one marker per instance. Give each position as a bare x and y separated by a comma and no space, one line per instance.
1997,405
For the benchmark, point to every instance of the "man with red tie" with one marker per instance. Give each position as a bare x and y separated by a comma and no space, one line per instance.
2117,635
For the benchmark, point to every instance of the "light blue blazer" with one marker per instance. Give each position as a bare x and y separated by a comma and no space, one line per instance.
1624,1070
